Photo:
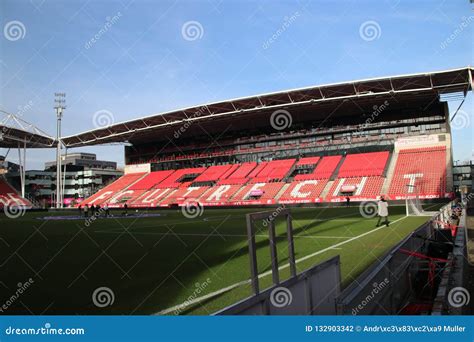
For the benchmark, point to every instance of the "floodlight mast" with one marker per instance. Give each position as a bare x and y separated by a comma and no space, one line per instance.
59,106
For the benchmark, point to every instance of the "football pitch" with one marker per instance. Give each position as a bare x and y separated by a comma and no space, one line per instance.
152,265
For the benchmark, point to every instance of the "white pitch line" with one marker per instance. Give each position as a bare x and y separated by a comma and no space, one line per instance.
218,218
221,235
231,287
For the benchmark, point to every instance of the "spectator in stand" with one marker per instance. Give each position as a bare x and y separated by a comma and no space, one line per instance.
86,210
382,211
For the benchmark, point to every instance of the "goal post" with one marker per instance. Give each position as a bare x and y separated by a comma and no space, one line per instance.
413,204
412,201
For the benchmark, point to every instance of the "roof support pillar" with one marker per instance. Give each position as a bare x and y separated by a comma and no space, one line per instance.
22,164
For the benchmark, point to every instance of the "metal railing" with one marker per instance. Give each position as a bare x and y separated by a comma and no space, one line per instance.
312,292
387,286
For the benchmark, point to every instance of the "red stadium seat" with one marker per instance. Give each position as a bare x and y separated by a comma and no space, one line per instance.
274,170
360,175
213,173
307,191
183,194
233,181
243,171
10,197
323,170
174,179
257,170
219,195
362,172
113,189
270,190
308,161
231,170
420,171
151,198
365,188
150,180
364,164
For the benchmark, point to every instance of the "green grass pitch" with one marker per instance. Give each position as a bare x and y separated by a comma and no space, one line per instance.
155,263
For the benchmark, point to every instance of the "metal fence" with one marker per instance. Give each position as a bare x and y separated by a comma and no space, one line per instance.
386,287
452,289
382,289
312,292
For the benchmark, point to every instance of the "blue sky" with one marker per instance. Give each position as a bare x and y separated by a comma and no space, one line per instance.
142,64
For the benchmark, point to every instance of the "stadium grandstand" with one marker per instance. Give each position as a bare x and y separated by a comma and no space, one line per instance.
387,136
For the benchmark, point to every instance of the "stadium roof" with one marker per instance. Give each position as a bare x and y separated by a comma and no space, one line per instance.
421,89
15,132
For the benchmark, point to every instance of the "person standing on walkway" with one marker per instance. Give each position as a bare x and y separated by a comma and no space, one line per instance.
382,211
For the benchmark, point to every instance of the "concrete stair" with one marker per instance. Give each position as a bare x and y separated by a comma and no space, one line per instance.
282,191
326,189
336,170
389,172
